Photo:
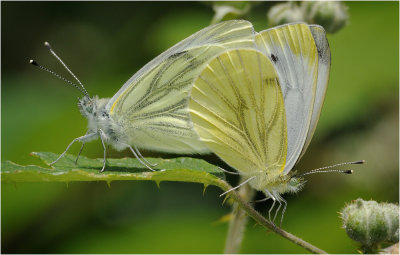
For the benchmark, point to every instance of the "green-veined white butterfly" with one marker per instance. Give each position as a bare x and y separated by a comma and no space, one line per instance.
257,109
150,110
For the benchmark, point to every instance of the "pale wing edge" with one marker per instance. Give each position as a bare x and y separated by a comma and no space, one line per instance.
181,46
324,63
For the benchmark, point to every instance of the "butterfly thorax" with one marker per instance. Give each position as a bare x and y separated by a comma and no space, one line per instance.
100,121
276,183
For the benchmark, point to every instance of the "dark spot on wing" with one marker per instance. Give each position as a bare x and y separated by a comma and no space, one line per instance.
274,58
320,53
177,54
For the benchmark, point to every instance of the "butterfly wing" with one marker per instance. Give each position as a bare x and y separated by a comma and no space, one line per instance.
324,65
293,51
152,105
237,109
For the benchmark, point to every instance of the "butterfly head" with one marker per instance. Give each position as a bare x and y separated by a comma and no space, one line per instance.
93,108
295,184
87,106
281,183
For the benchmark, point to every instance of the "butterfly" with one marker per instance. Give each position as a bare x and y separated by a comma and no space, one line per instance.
150,111
257,108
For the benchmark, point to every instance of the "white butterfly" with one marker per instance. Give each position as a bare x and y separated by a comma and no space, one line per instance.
150,110
257,109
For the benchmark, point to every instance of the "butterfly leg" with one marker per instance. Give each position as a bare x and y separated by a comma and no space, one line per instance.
140,155
243,183
283,211
138,158
104,147
280,199
273,204
80,151
277,210
259,201
80,139
270,210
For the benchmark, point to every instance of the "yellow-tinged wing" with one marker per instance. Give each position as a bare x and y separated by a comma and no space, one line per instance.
294,53
237,109
324,66
152,106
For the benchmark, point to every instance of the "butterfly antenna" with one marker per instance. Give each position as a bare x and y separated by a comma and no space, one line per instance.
65,66
326,171
33,62
359,162
322,169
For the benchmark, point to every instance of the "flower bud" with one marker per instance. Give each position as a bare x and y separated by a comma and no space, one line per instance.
331,15
371,223
284,13
226,10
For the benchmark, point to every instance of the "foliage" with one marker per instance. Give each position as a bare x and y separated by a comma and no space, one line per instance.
177,169
104,43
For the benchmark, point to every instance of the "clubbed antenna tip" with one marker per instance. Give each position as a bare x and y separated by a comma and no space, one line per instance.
33,62
47,45
81,88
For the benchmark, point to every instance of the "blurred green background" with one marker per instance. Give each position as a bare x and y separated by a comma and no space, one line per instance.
104,43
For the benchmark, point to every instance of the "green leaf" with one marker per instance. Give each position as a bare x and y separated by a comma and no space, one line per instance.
177,169
183,169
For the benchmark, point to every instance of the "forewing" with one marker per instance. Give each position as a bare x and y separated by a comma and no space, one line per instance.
232,33
324,66
292,50
152,105
237,109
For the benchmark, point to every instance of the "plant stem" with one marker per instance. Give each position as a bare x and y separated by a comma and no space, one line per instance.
267,224
238,222
393,249
370,249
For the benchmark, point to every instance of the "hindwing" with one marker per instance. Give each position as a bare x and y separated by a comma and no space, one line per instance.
237,109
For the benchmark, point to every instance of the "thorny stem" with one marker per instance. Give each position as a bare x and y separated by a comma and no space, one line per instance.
238,222
267,224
